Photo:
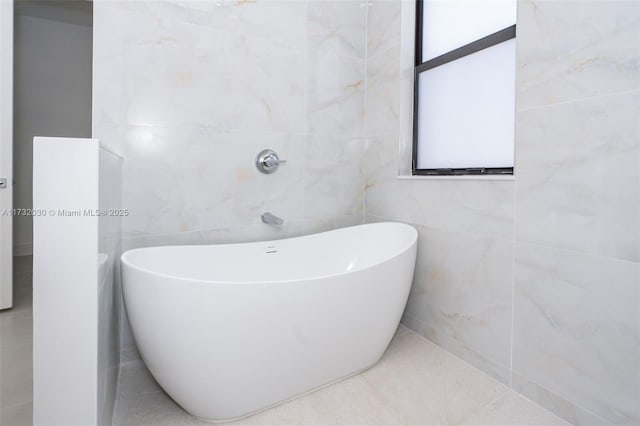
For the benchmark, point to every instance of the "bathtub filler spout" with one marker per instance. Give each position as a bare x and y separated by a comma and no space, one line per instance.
271,219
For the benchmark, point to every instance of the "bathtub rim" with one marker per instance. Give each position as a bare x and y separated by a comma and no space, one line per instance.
412,242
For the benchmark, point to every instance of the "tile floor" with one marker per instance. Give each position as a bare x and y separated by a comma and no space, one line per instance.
415,383
16,349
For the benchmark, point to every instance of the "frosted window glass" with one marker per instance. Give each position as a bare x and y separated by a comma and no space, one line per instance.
466,111
449,24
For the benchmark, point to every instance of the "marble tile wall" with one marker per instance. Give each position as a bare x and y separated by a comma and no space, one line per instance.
190,91
577,276
535,280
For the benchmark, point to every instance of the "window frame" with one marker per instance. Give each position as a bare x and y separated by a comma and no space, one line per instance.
490,40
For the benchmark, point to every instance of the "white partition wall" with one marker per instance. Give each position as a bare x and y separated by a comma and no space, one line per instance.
75,254
65,320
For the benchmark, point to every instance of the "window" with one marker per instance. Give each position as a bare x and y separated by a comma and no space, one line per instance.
464,91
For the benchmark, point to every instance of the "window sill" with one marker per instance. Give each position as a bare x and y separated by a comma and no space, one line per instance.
458,177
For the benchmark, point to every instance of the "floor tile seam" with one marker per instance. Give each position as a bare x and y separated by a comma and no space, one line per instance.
381,400
467,346
483,407
463,361
559,395
16,405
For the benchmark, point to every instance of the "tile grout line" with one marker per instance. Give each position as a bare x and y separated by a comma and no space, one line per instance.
507,388
580,99
557,395
583,253
365,130
513,269
305,133
466,346
483,406
226,131
504,237
502,384
453,231
16,405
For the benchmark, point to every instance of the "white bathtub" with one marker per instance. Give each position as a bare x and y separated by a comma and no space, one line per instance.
229,330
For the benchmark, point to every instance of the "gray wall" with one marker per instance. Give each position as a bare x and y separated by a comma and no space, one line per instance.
534,280
52,97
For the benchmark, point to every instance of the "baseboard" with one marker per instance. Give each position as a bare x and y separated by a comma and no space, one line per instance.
23,249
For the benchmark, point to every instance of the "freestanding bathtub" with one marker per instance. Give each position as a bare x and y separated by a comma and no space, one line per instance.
229,330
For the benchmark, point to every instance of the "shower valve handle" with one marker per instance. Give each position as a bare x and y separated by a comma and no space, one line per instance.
268,161
272,160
